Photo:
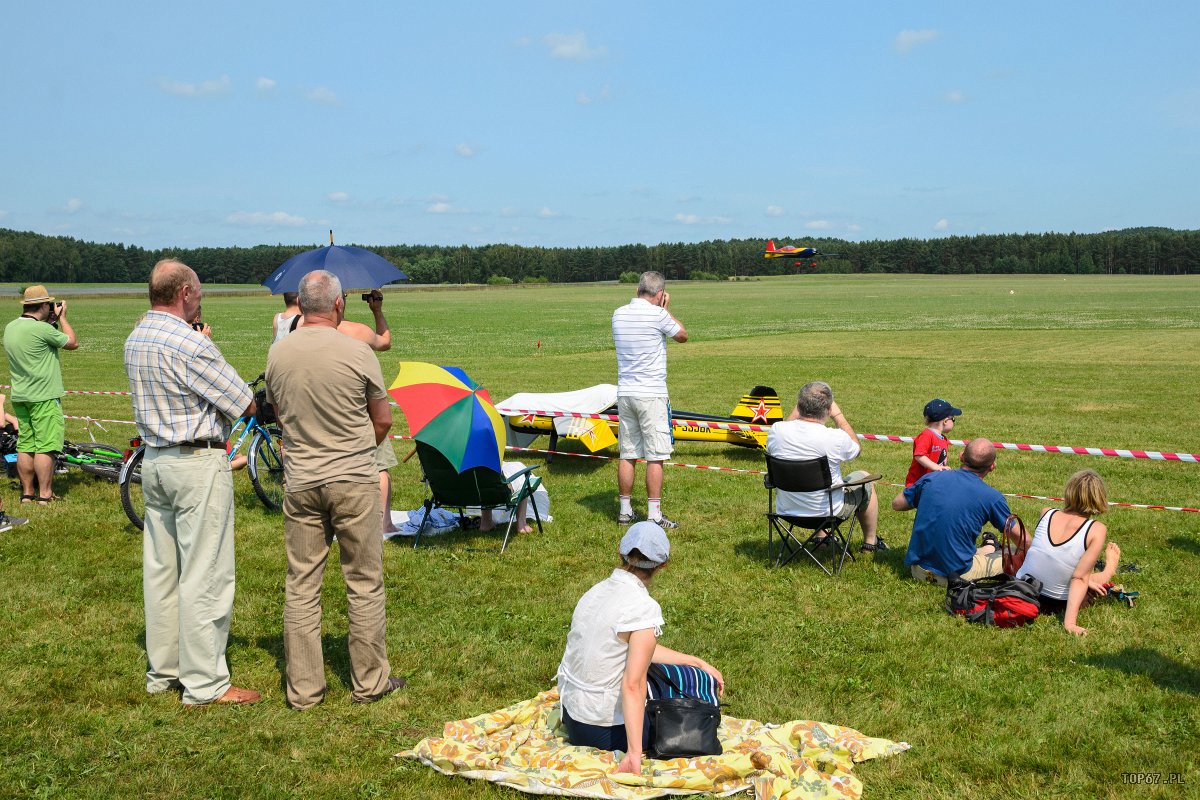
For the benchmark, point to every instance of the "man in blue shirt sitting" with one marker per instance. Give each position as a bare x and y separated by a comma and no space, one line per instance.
952,507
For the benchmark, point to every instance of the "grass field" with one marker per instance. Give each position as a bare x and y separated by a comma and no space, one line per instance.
1026,713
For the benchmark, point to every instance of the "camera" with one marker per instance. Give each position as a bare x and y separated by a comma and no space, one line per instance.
366,297
197,326
54,312
374,294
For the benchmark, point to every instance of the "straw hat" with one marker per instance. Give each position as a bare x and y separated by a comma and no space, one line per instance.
36,294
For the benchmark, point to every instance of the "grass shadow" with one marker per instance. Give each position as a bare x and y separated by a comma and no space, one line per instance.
335,649
1164,671
1188,543
603,503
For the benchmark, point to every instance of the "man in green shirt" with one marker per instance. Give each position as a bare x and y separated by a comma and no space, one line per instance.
32,344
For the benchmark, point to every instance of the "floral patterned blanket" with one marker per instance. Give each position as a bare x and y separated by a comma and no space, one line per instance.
520,747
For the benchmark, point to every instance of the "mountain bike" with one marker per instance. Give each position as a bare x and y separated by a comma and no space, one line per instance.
264,460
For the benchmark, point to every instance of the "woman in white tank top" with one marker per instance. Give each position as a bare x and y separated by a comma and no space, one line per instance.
1066,545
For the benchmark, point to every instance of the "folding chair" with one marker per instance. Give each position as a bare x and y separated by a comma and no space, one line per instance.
811,475
480,486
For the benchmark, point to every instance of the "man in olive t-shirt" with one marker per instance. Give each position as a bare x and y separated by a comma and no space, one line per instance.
329,395
33,346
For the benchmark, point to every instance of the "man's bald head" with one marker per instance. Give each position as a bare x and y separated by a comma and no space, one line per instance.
167,278
979,456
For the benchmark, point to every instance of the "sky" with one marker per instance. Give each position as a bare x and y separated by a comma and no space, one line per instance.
595,123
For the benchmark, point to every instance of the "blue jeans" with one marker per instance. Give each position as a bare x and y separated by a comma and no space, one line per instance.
602,737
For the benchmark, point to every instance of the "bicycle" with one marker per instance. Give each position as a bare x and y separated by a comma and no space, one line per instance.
102,460
95,458
264,460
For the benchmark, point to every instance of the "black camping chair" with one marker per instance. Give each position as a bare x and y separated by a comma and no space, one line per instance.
479,486
811,475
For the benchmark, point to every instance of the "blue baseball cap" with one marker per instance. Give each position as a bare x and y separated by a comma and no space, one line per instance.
938,409
648,539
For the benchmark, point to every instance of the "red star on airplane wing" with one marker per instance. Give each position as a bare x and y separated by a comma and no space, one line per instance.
760,412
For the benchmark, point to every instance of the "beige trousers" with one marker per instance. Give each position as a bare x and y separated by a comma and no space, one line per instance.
187,570
983,565
312,518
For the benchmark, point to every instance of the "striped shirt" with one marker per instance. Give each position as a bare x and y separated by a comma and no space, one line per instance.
640,332
183,388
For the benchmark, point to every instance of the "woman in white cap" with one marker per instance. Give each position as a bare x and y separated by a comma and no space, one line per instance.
611,645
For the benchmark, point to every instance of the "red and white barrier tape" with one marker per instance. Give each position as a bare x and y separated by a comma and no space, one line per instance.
696,423
1111,503
1153,455
89,420
77,391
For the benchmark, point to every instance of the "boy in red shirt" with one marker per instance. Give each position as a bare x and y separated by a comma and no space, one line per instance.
929,448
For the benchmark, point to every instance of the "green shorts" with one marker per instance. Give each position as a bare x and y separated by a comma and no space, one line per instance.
42,427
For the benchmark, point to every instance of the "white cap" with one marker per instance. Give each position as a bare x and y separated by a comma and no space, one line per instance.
649,539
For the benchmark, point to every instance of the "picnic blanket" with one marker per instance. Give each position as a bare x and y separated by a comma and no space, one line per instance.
519,747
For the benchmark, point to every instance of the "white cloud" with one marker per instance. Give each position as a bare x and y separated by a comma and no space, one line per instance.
818,225
942,224
695,219
265,84
443,207
465,150
219,86
439,198
3,214
775,211
323,96
523,41
266,219
73,205
603,97
509,211
955,97
907,40
547,213
339,197
573,47
854,227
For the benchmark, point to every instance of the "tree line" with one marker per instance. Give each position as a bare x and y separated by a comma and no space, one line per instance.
33,258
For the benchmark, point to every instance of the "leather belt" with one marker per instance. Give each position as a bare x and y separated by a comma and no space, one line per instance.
202,444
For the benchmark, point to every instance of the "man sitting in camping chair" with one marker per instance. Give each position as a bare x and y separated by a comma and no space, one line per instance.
804,436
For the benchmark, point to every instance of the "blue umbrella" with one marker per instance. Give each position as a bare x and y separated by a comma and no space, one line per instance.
355,267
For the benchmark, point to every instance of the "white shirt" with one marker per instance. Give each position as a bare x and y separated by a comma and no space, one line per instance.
799,440
593,664
1054,564
640,331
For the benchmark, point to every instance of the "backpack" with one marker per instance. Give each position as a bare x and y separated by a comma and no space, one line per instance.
1001,600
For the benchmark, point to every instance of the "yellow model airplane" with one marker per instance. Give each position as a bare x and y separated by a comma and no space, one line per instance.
572,415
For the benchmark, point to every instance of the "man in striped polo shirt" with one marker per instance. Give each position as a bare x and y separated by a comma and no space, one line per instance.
640,332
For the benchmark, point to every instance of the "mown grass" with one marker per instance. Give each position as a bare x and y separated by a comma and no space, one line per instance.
1028,713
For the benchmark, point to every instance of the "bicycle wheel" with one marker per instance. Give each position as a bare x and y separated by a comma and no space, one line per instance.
102,460
131,489
266,466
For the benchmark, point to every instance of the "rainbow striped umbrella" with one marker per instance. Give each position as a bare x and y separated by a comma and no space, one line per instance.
451,413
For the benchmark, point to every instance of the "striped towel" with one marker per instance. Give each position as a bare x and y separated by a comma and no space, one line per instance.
672,680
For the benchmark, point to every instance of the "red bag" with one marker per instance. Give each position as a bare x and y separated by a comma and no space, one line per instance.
1001,600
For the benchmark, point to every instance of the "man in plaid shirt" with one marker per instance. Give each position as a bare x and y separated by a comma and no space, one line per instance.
184,395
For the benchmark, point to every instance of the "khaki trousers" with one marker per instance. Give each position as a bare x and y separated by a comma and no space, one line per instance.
983,565
187,570
312,518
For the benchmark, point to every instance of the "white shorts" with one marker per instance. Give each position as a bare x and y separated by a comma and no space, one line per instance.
644,428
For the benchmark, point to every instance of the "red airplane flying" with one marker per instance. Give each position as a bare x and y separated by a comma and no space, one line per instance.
789,251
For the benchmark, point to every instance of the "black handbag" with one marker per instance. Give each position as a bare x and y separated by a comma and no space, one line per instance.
682,727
